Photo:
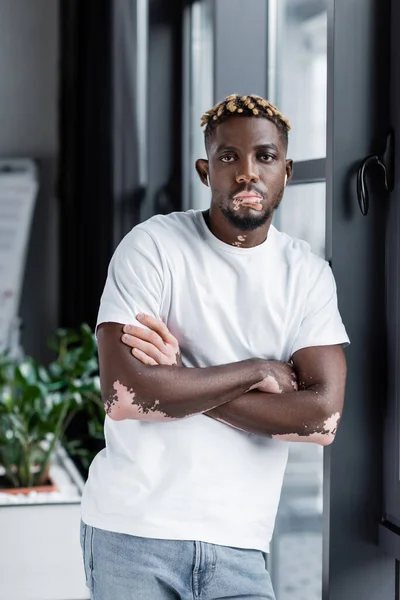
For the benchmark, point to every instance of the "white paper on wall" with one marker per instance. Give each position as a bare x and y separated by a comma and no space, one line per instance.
18,190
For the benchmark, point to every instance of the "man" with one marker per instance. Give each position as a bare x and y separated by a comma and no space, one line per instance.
232,346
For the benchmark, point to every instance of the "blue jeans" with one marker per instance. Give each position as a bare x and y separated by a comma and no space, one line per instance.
124,567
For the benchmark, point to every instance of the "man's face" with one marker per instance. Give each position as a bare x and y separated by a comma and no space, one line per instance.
247,167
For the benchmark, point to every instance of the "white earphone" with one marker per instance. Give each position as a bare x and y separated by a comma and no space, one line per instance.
285,180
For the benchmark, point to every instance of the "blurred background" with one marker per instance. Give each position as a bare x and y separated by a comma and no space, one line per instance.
100,106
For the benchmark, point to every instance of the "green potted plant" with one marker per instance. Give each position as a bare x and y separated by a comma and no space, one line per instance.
38,403
77,365
38,407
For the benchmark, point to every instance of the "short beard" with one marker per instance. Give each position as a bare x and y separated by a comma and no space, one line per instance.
246,223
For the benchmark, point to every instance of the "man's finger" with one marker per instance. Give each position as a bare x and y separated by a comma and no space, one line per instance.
147,335
158,326
146,360
146,347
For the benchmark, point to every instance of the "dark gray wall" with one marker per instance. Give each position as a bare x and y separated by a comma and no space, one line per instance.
28,127
392,422
164,108
160,127
358,116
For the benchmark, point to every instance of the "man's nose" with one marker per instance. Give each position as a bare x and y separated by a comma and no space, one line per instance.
247,172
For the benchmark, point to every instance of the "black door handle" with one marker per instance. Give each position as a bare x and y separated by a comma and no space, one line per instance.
386,162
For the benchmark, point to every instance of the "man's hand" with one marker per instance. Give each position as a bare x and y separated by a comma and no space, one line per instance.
281,379
152,344
155,345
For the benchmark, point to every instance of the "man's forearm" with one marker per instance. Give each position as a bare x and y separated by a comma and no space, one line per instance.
279,410
300,416
167,392
131,390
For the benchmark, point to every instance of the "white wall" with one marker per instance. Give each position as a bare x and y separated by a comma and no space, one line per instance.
28,77
28,127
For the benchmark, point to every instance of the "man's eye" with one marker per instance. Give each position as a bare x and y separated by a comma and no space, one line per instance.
267,157
227,159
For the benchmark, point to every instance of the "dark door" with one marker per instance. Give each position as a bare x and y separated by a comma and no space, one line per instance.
390,529
358,124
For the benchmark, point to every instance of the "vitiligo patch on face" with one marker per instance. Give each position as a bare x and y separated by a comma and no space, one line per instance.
124,399
236,204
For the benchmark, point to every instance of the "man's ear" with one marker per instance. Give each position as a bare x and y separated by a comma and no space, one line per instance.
202,170
289,170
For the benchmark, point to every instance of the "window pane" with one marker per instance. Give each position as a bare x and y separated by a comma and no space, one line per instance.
296,550
301,74
201,93
302,214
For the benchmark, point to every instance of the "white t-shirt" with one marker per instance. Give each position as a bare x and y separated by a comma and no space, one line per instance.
196,478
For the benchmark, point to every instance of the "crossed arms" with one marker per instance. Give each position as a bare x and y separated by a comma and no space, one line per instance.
254,395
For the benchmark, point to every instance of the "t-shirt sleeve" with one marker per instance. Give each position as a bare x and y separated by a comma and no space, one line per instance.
134,281
322,324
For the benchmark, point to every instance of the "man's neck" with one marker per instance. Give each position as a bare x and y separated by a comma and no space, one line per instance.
233,236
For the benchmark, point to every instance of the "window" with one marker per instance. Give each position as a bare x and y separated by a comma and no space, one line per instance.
302,214
297,70
199,96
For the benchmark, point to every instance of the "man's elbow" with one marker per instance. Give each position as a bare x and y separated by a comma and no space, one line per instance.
324,439
319,438
327,433
118,400
122,402
321,432
115,408
127,406
116,412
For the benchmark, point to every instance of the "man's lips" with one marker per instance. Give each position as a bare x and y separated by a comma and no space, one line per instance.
249,199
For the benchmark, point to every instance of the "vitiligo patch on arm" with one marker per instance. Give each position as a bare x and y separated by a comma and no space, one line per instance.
124,401
326,431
